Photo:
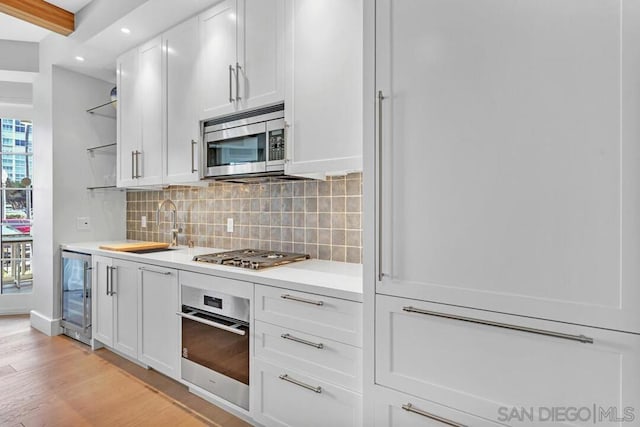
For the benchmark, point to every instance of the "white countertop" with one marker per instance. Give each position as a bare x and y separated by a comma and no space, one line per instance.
330,278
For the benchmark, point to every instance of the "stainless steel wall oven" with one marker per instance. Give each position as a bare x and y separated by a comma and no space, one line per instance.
215,343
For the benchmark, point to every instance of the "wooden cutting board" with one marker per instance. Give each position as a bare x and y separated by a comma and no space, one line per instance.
137,246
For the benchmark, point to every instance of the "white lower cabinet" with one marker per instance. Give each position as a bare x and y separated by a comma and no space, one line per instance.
334,318
307,368
102,301
134,308
159,345
289,398
125,307
323,358
488,363
395,409
115,304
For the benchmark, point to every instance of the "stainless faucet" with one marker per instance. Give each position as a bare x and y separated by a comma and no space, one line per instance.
174,212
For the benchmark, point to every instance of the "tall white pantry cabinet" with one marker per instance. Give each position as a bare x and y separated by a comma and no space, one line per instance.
502,197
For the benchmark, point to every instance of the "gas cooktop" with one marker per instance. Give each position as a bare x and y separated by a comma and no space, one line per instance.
251,258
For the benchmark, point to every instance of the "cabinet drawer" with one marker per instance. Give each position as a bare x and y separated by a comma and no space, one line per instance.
288,398
326,317
478,366
320,357
395,409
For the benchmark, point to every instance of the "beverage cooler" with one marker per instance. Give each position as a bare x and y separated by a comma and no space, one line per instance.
76,295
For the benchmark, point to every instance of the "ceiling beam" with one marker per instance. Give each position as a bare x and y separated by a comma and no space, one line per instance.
40,13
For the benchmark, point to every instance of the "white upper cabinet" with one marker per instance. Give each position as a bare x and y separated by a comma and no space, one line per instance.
218,39
260,52
242,56
181,48
509,152
323,94
140,135
128,113
150,87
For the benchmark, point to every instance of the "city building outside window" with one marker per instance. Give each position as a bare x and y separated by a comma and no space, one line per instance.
16,205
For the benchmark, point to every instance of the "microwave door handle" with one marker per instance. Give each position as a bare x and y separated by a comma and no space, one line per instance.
236,331
237,132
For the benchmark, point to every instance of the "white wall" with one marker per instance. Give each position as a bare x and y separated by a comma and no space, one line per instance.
62,171
18,56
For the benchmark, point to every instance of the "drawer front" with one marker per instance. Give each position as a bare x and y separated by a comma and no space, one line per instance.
483,369
327,317
285,398
395,409
330,360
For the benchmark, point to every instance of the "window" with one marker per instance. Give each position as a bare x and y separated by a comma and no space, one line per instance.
16,206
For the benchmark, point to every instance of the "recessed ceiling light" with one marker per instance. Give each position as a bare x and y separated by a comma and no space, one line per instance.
79,59
125,30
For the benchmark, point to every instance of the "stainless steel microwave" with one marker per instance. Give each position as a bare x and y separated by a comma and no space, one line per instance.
245,145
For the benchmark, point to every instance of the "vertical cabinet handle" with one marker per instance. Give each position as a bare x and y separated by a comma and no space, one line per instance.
138,175
110,290
231,83
85,270
380,207
238,68
193,156
133,165
107,273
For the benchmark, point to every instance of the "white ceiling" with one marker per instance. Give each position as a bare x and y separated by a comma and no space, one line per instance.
146,19
16,29
70,5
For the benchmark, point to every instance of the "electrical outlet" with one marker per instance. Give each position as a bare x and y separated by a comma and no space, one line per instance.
229,225
83,223
143,221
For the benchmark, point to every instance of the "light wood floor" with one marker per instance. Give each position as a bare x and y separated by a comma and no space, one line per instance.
56,381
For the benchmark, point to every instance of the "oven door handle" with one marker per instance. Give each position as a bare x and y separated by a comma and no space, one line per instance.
214,324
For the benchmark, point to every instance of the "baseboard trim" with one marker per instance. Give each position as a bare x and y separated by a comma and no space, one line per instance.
44,324
13,311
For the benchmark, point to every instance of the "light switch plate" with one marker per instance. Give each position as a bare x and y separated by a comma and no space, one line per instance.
229,225
83,223
143,221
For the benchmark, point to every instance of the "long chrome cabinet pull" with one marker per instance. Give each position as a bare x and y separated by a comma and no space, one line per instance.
410,408
230,83
193,156
301,341
211,323
112,292
138,175
580,338
238,68
306,301
85,268
133,163
286,377
148,270
107,278
380,207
